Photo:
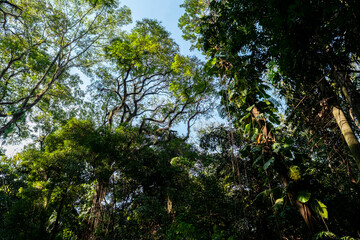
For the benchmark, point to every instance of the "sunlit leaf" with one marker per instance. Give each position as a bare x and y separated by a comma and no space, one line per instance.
247,127
303,196
294,173
319,208
279,201
276,147
250,108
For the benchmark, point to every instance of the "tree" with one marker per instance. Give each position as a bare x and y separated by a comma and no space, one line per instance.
144,79
9,10
40,43
92,183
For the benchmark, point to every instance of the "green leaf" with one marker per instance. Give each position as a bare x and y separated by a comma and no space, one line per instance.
278,204
294,173
276,147
268,163
303,196
256,149
250,108
319,208
264,194
323,210
245,117
274,118
258,159
247,127
279,201
211,62
255,133
325,235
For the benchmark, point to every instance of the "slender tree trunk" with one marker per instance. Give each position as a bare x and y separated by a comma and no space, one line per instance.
100,194
348,134
348,90
342,122
58,215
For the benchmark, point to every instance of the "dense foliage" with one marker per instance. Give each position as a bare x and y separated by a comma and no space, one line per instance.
107,163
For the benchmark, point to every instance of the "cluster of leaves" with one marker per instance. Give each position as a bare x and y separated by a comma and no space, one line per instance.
96,183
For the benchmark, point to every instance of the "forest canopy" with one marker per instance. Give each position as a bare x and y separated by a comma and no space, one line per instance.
108,161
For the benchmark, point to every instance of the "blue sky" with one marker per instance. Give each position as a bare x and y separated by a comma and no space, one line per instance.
167,12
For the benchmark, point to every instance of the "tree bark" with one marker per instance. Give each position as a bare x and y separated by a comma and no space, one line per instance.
95,213
348,90
348,134
341,121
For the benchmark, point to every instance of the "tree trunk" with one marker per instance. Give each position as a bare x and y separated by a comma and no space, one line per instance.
348,90
348,134
342,122
58,215
95,213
